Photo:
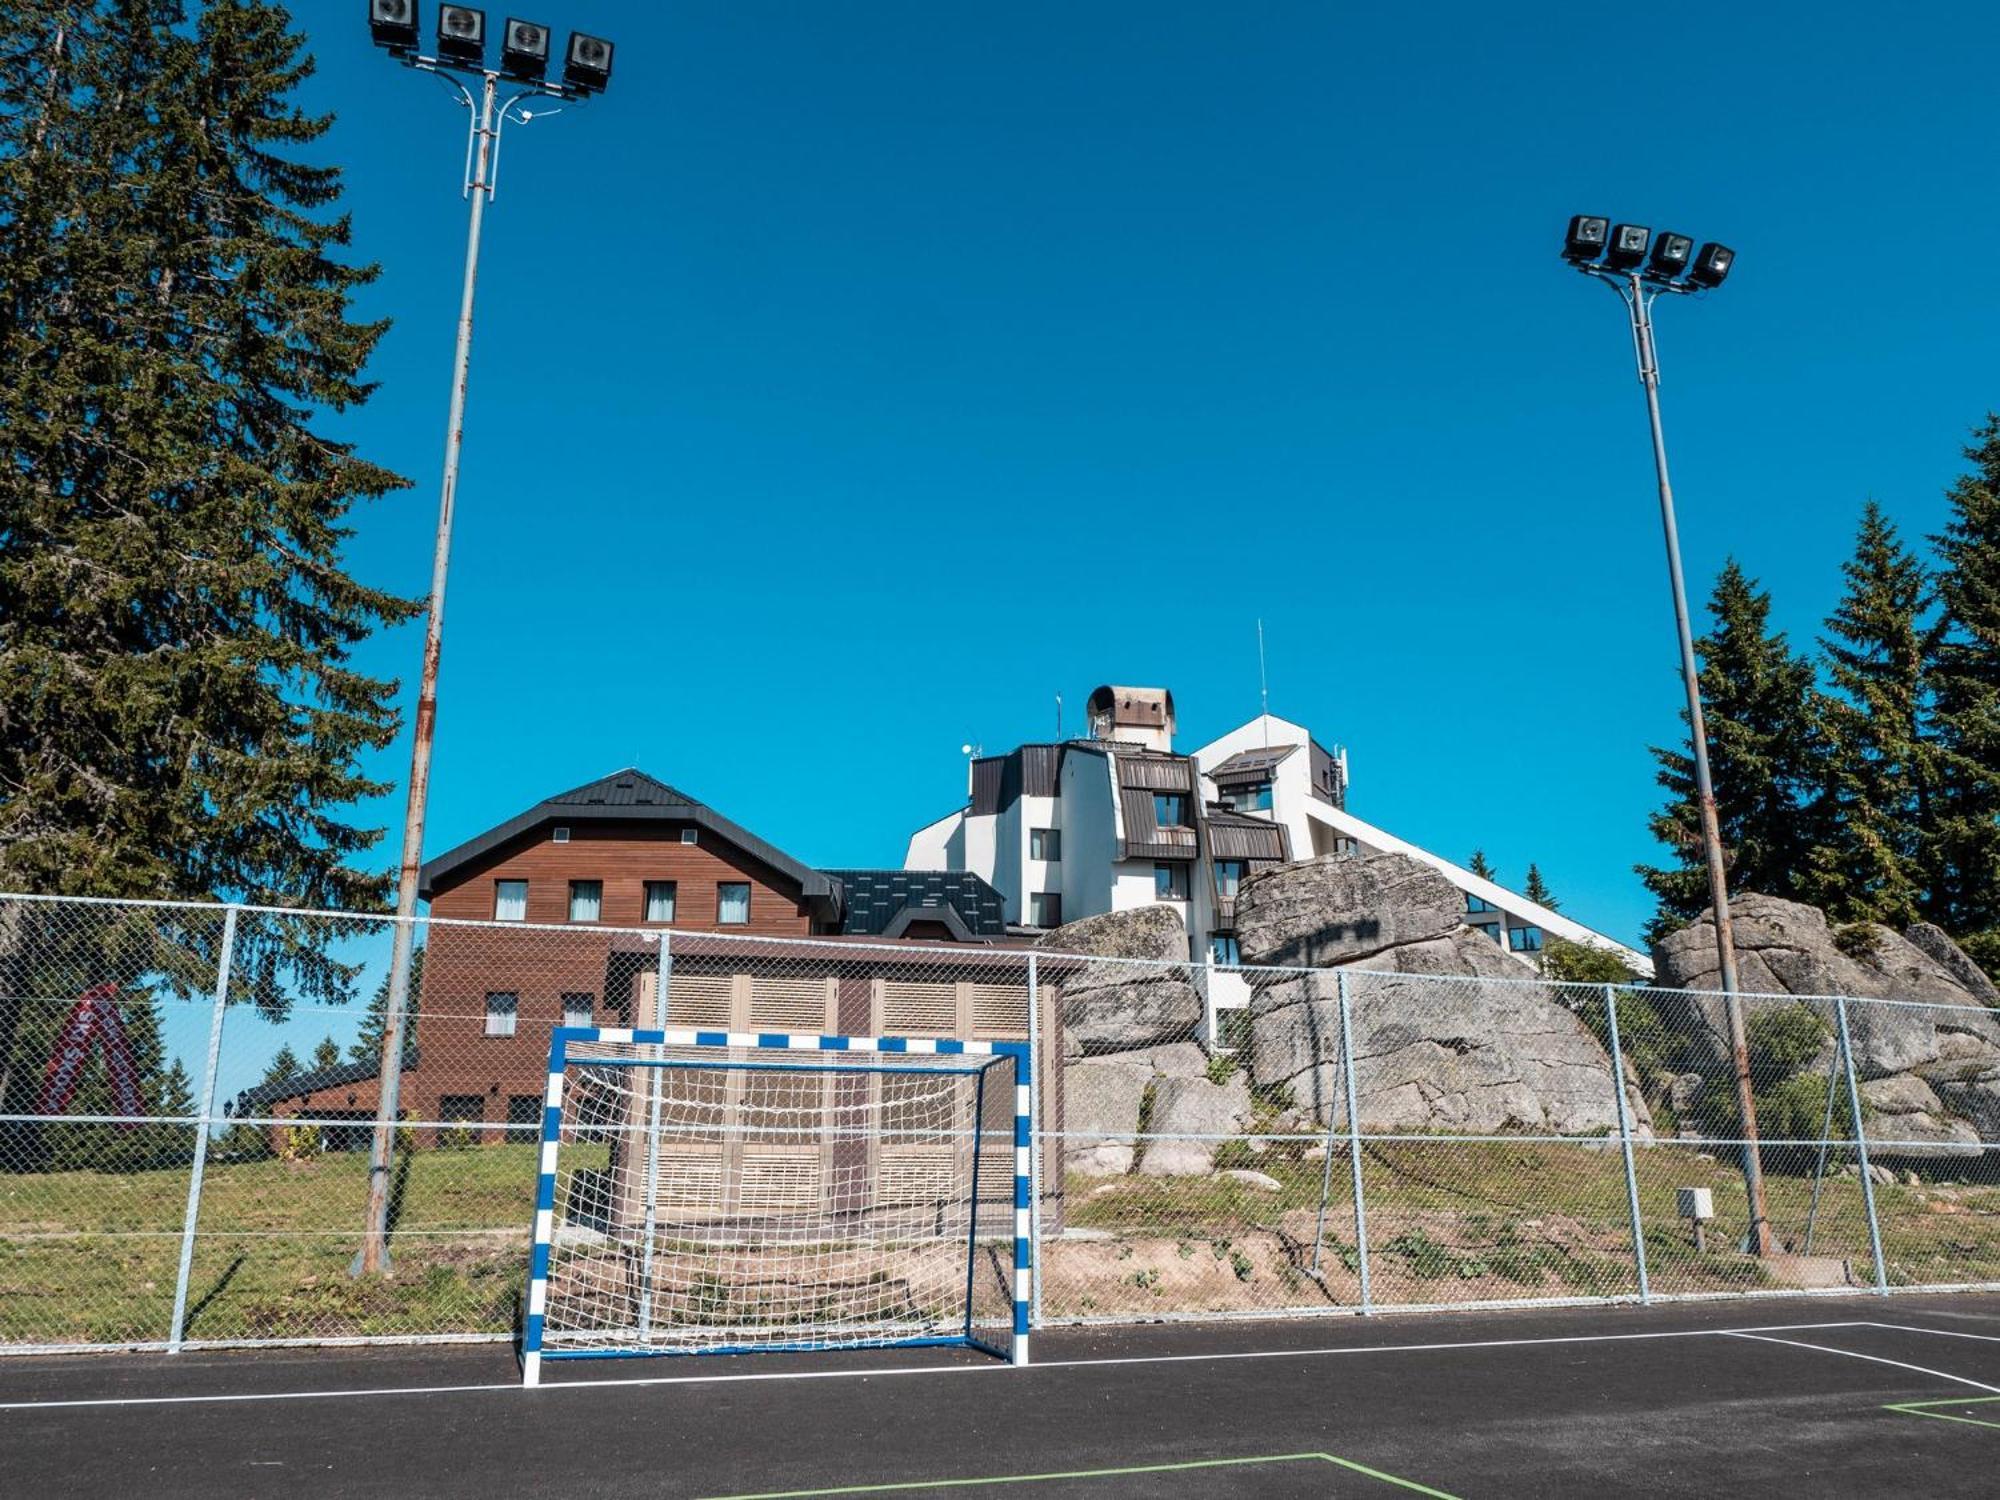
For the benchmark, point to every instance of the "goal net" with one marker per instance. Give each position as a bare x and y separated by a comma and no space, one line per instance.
708,1192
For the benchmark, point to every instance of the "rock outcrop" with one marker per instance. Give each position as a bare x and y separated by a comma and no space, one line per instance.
1929,1065
1429,1054
1115,1007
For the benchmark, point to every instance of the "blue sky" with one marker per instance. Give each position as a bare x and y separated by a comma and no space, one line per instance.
850,380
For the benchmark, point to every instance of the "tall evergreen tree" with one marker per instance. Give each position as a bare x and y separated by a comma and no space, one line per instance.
179,712
367,1045
1480,867
1878,649
1537,890
1766,753
284,1064
326,1054
1961,857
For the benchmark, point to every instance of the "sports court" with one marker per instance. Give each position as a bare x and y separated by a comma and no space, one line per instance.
1828,1396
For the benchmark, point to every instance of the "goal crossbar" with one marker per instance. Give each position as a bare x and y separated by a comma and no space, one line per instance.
724,1246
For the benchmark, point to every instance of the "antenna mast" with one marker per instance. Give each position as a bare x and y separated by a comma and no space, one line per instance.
1263,688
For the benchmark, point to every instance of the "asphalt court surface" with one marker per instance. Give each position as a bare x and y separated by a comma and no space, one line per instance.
1856,1396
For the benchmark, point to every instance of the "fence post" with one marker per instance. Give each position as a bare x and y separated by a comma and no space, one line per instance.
1035,1143
206,1113
1861,1146
654,1090
1625,1143
1354,1141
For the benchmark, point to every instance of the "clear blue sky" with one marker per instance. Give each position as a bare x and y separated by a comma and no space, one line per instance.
851,379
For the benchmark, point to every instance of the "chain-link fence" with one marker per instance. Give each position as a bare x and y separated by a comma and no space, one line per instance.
188,1095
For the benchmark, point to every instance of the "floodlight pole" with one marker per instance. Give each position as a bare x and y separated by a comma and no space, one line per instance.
482,152
1638,292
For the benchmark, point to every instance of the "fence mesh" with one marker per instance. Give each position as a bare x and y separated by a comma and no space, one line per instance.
187,1097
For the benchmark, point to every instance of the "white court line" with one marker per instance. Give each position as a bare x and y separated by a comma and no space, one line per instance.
994,1366
1943,1333
1874,1359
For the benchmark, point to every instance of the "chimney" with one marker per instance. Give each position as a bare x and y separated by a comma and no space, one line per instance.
1134,715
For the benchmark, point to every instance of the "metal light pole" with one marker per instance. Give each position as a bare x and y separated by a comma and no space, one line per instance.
1668,271
524,58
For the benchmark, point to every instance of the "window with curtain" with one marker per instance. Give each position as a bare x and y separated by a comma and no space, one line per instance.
1045,909
1229,874
1224,949
660,900
1170,810
1170,881
1045,843
510,900
503,1009
732,903
578,1010
586,900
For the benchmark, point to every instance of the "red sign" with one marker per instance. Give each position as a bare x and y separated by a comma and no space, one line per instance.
93,1021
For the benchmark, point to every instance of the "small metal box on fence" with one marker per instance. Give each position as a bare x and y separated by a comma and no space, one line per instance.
1697,1206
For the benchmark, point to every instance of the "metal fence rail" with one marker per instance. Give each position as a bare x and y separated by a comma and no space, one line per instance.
186,1093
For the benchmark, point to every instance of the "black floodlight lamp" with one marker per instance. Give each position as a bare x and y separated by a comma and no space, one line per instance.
1585,240
1670,254
587,65
1628,246
393,24
462,34
1712,265
524,50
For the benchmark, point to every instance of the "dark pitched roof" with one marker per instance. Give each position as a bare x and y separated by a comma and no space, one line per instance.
253,1101
882,903
626,796
1250,765
1234,835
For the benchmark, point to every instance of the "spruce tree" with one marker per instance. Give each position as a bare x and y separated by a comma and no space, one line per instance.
1480,867
326,1054
1537,890
1766,753
1878,649
367,1045
284,1064
1961,855
179,712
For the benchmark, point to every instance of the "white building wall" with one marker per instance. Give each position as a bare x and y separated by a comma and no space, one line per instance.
1039,874
1092,827
937,846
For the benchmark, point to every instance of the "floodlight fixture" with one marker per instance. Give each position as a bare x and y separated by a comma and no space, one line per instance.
1670,254
1586,237
1628,246
393,24
524,50
1711,265
587,64
461,34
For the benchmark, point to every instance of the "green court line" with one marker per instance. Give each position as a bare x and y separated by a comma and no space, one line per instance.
1200,1463
1923,1409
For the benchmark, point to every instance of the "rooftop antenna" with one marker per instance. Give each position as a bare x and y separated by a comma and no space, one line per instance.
1058,718
1263,688
971,752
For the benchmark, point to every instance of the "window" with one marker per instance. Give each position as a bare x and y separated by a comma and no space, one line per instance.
1223,949
586,900
1045,843
562,834
1253,798
1229,874
660,896
690,835
1170,882
1474,905
1170,809
1045,909
503,1009
460,1114
510,900
732,903
1525,939
523,1109
578,1010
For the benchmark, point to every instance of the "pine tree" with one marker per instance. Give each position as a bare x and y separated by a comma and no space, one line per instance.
326,1055
1766,754
1879,650
1961,857
1480,867
367,1045
179,712
284,1064
1537,890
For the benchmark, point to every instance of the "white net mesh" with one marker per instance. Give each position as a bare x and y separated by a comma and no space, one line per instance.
712,1199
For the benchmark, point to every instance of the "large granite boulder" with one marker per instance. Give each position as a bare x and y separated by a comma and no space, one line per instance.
1784,948
1334,910
1102,1098
1430,1053
1113,1006
1906,1119
1933,942
1189,1119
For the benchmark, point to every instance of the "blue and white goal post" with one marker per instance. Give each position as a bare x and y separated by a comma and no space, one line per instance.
711,1192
